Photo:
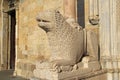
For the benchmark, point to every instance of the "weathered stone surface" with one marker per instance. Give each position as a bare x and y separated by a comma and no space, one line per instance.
66,49
32,42
24,69
81,73
69,9
65,45
45,74
92,44
90,63
73,23
65,42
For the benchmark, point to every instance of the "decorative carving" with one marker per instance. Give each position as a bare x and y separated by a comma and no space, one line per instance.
93,12
94,21
66,43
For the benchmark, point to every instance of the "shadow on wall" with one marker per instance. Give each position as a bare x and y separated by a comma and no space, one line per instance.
81,12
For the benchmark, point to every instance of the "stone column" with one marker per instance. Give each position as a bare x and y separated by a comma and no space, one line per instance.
93,12
93,9
70,9
1,43
17,36
117,41
108,37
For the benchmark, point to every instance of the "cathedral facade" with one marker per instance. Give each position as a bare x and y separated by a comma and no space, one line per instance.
23,43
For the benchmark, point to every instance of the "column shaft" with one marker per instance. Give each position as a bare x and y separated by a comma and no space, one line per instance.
70,8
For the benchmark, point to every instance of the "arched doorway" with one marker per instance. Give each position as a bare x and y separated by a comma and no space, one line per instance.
12,21
9,34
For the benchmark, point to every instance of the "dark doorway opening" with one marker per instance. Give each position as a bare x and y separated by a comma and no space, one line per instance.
81,12
12,23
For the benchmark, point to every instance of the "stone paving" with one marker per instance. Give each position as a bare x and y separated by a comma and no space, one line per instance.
8,75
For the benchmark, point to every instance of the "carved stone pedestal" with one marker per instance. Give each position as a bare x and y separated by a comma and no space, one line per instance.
44,71
66,45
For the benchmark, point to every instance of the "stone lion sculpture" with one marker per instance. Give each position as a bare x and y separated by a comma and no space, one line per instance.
66,46
65,41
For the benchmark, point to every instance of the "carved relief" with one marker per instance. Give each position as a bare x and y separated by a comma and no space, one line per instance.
66,43
93,12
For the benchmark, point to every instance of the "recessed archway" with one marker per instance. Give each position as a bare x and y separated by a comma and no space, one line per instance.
9,34
12,22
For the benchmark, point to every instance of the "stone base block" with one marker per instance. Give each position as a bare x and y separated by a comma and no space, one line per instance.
24,69
98,77
45,74
44,71
83,74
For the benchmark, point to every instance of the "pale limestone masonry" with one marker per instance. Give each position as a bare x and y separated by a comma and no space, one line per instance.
65,41
100,19
65,52
109,37
26,32
92,44
70,9
0,33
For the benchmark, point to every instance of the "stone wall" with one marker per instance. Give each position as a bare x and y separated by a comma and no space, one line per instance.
118,24
0,32
31,37
3,35
32,42
3,25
